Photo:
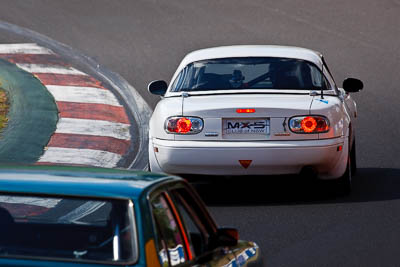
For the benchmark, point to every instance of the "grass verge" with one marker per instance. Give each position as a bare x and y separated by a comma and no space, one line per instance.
4,107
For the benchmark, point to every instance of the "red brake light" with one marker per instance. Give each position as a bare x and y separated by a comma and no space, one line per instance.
308,124
322,126
183,125
245,110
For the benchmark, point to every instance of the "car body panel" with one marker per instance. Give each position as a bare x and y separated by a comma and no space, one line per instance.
351,108
246,254
171,107
274,157
213,110
266,105
90,182
332,108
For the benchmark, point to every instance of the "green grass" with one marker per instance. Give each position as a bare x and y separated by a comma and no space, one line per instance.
4,106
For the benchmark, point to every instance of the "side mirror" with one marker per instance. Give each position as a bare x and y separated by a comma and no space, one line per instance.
227,237
158,87
352,85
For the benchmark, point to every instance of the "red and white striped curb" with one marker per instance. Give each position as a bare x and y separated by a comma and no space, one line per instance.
27,206
93,127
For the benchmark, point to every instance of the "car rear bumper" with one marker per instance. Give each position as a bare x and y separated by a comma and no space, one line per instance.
267,157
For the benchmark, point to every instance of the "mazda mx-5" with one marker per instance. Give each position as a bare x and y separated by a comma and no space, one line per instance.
255,110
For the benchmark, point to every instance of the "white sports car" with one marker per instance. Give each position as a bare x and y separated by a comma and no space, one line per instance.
254,110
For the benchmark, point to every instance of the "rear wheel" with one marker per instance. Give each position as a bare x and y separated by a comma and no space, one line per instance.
343,184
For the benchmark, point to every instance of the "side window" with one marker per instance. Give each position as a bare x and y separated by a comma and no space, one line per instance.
170,240
196,230
327,84
319,80
331,80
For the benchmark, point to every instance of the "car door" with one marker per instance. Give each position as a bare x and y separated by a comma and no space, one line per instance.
200,230
171,241
205,237
183,237
198,233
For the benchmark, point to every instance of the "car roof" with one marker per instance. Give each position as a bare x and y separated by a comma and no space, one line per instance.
78,181
252,51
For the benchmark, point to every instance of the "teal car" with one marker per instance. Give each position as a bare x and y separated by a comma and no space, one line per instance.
70,216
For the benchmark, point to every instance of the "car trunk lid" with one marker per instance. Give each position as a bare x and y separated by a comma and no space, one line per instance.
267,121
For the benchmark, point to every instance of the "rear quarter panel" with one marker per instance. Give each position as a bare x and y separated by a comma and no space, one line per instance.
334,109
351,106
167,107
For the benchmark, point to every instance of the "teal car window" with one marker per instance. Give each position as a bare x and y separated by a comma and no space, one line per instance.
78,229
170,241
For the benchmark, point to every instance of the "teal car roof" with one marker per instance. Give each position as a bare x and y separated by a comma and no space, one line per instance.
77,181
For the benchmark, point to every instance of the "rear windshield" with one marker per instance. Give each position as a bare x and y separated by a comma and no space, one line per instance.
67,228
250,73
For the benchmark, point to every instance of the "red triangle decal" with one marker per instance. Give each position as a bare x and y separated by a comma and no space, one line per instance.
245,163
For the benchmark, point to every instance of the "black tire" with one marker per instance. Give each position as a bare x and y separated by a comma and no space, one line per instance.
353,159
343,184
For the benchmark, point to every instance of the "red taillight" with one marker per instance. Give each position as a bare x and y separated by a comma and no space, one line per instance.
183,125
308,124
245,110
322,126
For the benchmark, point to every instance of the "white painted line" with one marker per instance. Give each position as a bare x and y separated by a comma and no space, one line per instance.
93,127
54,69
41,202
80,156
28,48
82,95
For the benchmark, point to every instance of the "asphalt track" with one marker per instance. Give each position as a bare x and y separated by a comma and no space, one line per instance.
294,224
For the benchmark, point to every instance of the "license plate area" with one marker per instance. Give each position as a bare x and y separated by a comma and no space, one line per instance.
245,128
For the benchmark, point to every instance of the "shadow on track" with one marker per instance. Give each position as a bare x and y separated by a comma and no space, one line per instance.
370,184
